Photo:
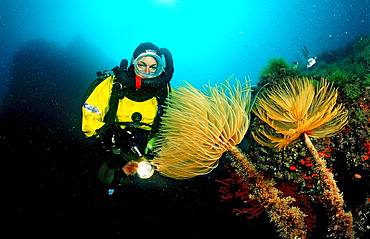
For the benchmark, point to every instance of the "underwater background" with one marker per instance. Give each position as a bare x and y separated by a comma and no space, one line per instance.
51,51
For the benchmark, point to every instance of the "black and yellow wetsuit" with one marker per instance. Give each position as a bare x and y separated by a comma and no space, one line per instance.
122,111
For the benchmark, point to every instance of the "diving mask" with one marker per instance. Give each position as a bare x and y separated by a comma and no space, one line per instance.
154,70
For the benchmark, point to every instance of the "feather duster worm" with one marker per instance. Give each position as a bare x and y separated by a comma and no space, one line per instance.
197,128
299,109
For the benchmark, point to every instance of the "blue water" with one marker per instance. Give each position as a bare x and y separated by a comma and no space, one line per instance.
209,40
48,173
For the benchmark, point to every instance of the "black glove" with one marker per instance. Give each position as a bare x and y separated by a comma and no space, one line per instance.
125,139
112,135
108,132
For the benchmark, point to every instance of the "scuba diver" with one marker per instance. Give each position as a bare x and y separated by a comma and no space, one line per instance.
122,112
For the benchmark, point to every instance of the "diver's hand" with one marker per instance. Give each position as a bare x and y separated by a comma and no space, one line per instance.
107,132
122,75
125,139
114,135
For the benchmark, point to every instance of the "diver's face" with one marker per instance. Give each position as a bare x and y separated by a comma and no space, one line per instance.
147,65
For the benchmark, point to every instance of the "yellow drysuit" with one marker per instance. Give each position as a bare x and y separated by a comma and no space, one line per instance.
97,105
